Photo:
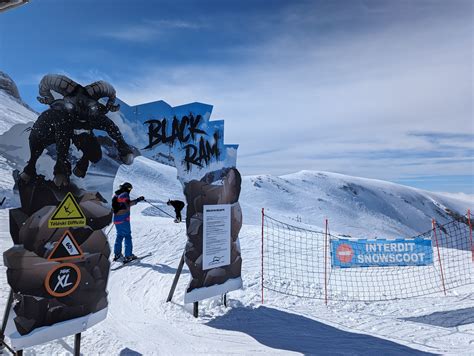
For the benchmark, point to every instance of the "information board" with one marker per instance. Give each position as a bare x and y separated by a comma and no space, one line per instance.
216,236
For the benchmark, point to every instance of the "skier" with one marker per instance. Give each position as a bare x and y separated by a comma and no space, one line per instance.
178,205
121,204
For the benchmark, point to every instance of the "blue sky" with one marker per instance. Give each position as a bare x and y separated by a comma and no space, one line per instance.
379,89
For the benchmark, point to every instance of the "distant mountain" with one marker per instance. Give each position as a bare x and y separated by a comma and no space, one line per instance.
354,206
8,86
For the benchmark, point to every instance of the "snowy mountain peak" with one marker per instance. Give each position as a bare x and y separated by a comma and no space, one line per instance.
8,86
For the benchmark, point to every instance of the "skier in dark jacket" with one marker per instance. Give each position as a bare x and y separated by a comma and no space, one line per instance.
178,205
121,204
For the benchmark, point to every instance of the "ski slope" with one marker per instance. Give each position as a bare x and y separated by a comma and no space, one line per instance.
141,322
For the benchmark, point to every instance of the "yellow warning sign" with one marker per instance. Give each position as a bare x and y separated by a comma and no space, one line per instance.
67,214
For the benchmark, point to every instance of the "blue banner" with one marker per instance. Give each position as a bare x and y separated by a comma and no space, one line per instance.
381,252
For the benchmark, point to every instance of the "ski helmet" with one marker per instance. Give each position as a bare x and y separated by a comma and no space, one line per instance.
126,186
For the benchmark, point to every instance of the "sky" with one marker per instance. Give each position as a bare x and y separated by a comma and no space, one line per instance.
377,89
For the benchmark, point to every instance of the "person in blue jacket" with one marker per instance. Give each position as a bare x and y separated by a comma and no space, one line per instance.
121,204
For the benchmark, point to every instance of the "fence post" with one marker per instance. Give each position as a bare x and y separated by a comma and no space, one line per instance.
470,232
261,280
433,222
326,264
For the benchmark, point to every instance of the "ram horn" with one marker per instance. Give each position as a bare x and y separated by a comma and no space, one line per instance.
102,89
57,82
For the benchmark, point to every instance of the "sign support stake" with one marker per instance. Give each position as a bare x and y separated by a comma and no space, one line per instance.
77,344
6,314
5,321
176,278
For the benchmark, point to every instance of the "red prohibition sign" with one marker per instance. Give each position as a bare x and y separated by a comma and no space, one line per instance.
344,253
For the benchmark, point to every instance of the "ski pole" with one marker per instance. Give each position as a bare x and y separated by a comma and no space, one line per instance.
171,216
108,232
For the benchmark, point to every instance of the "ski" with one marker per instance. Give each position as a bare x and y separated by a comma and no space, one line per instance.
131,262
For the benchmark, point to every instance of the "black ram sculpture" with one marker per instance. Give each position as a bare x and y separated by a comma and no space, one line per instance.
73,118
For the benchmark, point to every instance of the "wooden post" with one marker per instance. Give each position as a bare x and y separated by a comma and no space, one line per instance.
195,309
470,233
433,222
77,344
261,278
326,264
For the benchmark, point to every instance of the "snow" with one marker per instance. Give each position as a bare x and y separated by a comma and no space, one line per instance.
141,322
13,112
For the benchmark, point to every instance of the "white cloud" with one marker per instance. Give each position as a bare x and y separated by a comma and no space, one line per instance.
148,30
357,92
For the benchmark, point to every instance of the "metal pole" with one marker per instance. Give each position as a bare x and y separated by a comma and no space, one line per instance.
439,255
261,281
77,344
225,300
176,278
326,264
195,309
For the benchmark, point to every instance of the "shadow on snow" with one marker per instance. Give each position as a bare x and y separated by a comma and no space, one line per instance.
286,331
446,319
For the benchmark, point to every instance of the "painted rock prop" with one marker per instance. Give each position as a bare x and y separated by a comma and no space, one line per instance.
57,273
220,187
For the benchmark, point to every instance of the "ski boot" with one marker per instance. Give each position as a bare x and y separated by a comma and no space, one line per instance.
117,257
130,258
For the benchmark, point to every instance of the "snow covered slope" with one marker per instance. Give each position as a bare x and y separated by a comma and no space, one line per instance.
355,206
12,109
